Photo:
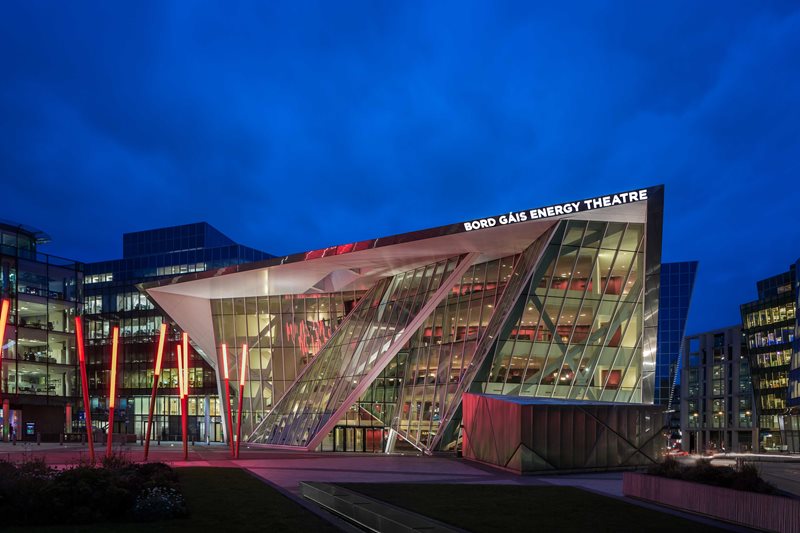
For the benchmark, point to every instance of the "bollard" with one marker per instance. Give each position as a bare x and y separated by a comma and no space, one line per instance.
38,438
60,439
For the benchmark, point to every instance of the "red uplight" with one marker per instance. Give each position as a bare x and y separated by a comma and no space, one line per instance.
114,348
161,337
225,360
180,371
244,364
3,319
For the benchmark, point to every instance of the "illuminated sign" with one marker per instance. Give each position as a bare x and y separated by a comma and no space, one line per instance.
556,210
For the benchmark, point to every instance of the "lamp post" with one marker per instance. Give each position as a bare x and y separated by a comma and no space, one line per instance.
4,306
84,386
228,398
156,372
112,393
242,368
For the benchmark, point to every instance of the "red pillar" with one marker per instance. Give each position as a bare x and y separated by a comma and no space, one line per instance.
156,372
4,307
84,386
242,367
228,399
112,390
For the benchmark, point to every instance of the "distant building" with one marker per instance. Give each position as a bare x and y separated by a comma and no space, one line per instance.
770,325
716,393
112,298
675,295
39,376
792,423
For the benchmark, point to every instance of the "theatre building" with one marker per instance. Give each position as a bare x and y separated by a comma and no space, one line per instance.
550,313
527,339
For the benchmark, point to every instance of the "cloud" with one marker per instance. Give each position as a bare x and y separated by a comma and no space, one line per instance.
299,125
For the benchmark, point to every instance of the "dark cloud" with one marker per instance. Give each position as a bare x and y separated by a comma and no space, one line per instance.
298,125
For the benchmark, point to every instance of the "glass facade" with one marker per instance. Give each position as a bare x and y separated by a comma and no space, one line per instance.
39,357
283,334
576,332
563,320
677,284
112,299
380,320
769,326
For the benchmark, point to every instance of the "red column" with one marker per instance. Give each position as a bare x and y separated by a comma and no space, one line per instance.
156,372
85,386
4,306
228,398
185,400
242,368
112,389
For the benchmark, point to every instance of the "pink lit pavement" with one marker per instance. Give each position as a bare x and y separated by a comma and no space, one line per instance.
285,470
288,469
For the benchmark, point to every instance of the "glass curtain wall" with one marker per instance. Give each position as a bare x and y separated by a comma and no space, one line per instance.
381,317
768,326
283,334
39,356
412,394
576,333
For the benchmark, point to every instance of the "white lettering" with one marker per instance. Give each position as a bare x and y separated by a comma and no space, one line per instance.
643,194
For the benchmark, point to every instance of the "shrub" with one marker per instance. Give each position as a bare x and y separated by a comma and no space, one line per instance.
746,479
32,493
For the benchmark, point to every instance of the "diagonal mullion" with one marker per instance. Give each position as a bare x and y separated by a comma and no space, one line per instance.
620,302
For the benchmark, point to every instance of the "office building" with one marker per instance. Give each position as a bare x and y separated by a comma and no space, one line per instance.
371,345
112,299
717,407
769,325
38,386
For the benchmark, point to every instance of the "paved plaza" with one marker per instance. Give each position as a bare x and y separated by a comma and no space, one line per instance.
286,469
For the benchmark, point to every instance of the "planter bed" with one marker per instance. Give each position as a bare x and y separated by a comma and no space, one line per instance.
759,511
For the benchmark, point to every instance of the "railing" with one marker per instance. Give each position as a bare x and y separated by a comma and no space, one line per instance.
758,511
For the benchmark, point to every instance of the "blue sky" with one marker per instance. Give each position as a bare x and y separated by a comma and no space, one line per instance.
292,126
